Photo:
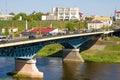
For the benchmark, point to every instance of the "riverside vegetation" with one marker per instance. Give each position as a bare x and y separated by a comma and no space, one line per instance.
105,51
109,53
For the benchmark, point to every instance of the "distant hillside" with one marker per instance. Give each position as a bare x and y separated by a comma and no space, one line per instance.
31,24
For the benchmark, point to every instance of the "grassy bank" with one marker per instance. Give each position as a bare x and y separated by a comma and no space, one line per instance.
53,50
110,53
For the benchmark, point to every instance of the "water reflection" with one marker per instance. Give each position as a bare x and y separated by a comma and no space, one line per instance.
71,70
55,69
90,71
51,67
101,71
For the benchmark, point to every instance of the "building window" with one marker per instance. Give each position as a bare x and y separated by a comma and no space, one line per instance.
66,13
61,17
73,17
73,13
61,13
66,17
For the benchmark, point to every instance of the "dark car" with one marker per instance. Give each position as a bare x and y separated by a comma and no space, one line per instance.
49,35
32,37
44,35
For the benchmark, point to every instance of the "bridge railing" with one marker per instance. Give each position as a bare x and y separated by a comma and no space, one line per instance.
24,38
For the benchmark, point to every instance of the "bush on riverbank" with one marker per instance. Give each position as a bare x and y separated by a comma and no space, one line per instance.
110,54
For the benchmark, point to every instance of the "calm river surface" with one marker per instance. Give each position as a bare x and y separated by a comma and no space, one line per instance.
55,69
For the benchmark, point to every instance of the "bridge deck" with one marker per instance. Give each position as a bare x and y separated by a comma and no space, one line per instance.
49,38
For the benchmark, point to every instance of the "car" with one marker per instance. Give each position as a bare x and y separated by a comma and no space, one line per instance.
49,35
32,37
44,35
3,39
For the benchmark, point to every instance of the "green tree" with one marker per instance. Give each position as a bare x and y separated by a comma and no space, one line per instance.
35,16
23,15
85,24
70,26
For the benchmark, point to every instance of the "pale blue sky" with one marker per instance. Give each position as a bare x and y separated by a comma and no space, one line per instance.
88,7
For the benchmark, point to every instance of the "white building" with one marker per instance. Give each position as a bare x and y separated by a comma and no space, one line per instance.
117,14
107,21
13,30
44,17
49,17
5,17
9,30
100,22
66,13
95,25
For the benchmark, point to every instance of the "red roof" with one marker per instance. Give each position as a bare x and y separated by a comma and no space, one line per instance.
42,30
117,11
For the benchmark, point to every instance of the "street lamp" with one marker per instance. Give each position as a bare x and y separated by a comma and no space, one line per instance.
26,27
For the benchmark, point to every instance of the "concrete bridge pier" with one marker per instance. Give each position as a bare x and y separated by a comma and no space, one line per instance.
72,55
28,68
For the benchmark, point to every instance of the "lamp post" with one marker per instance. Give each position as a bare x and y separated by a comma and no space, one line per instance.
26,26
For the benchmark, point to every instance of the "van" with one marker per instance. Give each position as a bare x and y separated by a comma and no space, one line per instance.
3,39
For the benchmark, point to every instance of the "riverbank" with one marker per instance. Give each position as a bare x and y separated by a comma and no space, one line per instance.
104,51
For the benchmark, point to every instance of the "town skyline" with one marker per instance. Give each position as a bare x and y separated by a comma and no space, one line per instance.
97,7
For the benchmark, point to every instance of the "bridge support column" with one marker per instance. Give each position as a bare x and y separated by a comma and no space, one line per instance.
72,55
28,68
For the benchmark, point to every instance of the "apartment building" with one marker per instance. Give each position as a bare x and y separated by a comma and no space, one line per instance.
63,14
66,14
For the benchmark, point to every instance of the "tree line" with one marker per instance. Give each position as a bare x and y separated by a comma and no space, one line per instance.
33,16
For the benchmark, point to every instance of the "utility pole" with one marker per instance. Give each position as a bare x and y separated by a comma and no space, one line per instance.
26,28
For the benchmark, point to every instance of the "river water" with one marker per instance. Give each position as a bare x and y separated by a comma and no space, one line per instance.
55,69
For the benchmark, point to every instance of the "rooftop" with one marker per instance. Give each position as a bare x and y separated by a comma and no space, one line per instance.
42,30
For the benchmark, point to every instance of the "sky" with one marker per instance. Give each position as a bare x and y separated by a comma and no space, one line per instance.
87,7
